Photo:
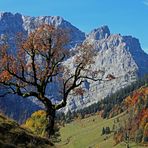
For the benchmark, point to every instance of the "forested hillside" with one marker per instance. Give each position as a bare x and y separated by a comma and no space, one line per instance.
129,128
109,107
134,126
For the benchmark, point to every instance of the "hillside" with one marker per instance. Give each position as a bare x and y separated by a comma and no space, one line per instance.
136,127
14,136
87,133
131,124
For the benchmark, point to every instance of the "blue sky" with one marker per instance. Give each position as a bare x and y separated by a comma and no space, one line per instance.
128,17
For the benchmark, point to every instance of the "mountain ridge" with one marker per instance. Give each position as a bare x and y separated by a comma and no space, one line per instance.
119,55
26,24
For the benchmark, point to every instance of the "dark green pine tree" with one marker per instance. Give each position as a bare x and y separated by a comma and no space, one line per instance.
103,131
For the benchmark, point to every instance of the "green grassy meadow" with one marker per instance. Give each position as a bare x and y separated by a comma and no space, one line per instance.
86,133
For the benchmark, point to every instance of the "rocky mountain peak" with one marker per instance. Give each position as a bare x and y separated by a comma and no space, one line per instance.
119,55
76,36
11,24
99,33
139,56
132,42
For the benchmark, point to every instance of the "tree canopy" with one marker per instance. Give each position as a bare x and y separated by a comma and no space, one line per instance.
41,60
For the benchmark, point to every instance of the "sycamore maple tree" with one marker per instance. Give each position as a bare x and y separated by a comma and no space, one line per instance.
39,61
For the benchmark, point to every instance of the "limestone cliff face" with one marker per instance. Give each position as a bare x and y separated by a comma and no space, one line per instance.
10,24
99,33
118,55
114,56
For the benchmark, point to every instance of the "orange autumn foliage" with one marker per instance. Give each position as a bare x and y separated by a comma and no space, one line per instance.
144,117
132,100
146,130
5,76
137,103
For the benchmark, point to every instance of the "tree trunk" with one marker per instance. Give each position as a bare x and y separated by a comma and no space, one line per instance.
50,118
127,145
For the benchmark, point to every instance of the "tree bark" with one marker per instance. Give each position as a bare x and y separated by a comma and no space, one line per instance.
50,115
127,146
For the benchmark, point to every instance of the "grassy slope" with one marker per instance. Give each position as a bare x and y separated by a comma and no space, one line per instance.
14,136
86,133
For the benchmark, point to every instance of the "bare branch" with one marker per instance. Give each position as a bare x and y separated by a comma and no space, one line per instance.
19,77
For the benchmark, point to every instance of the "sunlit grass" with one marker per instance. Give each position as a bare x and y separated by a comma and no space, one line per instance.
85,133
